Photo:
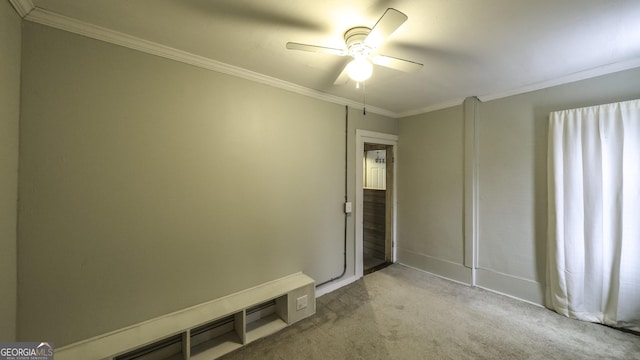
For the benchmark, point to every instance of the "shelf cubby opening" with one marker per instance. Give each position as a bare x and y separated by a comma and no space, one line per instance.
165,349
266,318
218,337
208,330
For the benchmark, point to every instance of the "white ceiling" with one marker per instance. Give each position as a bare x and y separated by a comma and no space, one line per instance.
485,48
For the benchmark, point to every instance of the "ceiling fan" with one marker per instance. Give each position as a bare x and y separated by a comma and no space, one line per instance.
361,44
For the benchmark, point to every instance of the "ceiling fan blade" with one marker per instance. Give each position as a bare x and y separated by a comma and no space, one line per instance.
342,78
397,64
388,23
314,48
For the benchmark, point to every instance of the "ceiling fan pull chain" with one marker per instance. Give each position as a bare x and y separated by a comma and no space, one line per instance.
364,98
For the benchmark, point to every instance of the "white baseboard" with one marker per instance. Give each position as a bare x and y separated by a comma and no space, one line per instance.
522,289
442,268
526,290
325,289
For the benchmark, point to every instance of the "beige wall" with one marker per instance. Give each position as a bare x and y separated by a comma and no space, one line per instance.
512,196
513,179
10,43
430,192
148,185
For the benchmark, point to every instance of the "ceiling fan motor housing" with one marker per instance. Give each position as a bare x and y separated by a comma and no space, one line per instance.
354,38
362,43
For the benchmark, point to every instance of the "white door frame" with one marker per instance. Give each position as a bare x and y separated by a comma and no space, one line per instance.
365,136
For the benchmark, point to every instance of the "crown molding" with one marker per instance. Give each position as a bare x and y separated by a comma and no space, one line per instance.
578,76
23,7
55,20
431,108
27,10
582,75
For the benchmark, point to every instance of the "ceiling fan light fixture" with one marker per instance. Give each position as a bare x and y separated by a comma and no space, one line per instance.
361,43
360,69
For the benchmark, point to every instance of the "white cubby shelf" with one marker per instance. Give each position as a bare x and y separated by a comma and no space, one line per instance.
205,331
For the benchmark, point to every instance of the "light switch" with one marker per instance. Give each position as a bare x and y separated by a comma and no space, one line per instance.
347,207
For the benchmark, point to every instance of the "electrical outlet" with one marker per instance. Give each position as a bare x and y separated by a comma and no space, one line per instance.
301,302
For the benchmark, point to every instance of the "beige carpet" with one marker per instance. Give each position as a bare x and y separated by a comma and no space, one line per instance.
402,313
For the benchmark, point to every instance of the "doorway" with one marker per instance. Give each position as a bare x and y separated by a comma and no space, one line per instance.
377,188
375,200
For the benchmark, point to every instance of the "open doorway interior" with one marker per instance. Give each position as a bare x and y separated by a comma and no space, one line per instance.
377,211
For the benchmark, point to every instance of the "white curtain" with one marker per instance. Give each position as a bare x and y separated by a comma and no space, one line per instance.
593,249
